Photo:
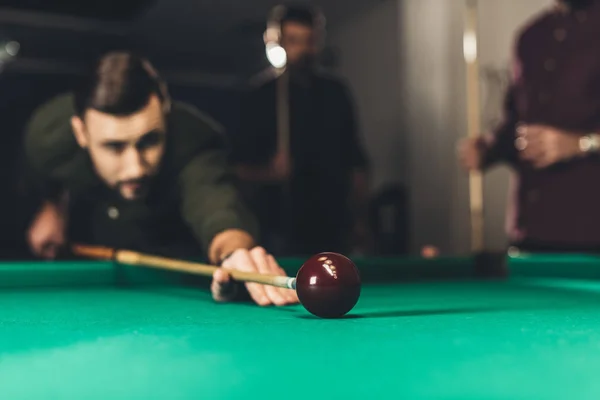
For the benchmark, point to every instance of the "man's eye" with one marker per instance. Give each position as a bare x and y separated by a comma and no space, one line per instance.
115,147
149,140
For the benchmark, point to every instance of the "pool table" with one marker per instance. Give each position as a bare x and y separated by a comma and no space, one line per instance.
423,329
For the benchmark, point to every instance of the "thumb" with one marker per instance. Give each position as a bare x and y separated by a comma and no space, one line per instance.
223,288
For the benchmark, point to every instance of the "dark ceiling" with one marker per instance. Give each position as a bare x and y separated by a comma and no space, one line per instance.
186,37
105,10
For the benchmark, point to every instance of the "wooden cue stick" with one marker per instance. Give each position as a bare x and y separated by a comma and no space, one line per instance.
282,103
473,123
146,260
283,114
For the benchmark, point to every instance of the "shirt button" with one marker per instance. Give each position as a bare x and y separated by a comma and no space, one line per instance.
113,212
550,64
560,34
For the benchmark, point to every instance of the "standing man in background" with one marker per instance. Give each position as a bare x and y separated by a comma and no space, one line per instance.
550,135
300,147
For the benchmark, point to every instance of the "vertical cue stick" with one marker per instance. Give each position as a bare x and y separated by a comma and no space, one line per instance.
470,47
283,137
283,113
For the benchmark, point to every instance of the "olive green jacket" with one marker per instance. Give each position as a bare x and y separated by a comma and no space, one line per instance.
193,198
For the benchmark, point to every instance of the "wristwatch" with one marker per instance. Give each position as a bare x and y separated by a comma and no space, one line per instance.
590,143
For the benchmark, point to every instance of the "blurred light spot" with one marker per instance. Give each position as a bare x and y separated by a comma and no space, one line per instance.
12,48
276,55
470,46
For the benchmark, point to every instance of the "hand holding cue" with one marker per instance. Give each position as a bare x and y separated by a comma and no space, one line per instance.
149,261
328,284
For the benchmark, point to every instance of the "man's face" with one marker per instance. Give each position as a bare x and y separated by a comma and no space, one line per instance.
126,151
299,43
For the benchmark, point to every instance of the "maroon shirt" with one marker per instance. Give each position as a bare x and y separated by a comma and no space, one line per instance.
557,83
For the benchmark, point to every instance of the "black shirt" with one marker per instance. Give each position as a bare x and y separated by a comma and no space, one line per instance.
325,151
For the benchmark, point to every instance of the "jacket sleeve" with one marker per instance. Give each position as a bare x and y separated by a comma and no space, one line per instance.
210,199
49,151
499,145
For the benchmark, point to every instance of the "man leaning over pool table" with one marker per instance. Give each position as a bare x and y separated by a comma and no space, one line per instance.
117,163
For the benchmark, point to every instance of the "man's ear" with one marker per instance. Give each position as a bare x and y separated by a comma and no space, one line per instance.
79,131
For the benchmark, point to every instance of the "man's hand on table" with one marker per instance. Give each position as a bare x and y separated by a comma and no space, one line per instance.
544,146
46,234
254,260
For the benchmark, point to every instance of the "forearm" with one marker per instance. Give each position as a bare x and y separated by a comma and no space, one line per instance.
34,185
35,197
227,242
499,145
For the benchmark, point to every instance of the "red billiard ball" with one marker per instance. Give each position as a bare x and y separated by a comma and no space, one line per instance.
328,285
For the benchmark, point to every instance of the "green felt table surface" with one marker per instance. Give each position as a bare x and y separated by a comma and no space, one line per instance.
97,331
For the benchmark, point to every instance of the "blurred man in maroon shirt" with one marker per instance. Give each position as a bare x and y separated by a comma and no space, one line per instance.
550,134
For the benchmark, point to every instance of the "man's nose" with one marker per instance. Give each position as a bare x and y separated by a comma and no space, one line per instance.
133,165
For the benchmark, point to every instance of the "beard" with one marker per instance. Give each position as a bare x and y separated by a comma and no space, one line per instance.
140,187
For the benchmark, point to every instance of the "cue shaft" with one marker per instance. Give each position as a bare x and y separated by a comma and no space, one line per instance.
473,121
163,263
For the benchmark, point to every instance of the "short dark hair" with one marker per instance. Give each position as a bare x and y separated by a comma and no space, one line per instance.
300,14
119,83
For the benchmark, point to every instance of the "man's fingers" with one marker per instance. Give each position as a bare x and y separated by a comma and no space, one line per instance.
258,294
544,161
260,258
223,288
533,152
243,262
267,265
47,249
289,294
222,277
468,154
